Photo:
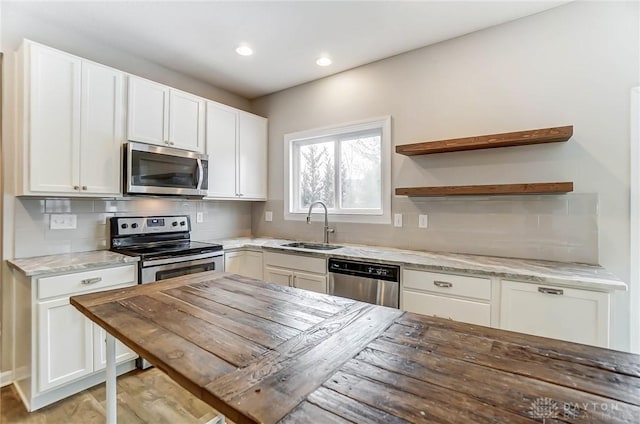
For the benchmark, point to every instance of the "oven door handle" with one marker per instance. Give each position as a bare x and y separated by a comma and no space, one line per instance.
177,259
200,174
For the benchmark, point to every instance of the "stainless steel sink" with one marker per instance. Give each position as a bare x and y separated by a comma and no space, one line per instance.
313,246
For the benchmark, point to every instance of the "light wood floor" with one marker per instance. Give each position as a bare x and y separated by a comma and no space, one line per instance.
143,397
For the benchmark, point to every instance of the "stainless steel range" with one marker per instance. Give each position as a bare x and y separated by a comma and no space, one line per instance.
164,246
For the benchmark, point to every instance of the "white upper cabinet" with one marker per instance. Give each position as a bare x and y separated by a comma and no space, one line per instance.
52,84
186,121
221,149
252,156
101,129
72,114
162,115
237,147
148,111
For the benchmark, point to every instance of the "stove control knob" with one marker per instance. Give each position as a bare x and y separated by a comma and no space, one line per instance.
134,225
174,223
124,226
182,223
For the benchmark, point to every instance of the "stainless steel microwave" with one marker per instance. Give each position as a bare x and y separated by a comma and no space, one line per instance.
165,171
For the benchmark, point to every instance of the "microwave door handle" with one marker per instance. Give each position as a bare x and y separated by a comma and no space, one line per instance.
200,174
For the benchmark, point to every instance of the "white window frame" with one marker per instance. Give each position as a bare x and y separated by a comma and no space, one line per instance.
357,216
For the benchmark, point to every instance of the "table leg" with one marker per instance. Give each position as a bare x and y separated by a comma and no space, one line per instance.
112,401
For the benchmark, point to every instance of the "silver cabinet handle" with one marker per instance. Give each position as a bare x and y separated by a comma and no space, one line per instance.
443,284
547,290
91,280
290,282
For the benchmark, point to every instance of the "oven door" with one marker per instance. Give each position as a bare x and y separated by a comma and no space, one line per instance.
163,272
164,170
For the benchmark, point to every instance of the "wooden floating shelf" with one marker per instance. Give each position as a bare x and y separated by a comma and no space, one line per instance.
520,138
495,189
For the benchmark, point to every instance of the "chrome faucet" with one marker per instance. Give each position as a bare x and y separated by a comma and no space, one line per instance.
327,230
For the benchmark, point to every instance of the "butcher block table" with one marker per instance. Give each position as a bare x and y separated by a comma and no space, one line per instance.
266,353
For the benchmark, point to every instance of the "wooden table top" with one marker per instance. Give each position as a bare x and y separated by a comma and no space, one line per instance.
261,352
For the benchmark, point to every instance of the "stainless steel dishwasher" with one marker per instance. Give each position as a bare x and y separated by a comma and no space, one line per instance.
364,281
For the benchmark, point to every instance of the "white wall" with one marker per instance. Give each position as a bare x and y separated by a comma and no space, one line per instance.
573,65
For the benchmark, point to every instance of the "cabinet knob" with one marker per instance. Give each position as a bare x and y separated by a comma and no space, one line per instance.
76,187
171,143
443,284
84,187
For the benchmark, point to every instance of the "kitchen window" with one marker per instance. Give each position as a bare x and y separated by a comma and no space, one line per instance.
346,166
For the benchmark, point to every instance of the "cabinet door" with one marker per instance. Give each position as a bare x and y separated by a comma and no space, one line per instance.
252,159
278,276
148,117
233,262
54,120
243,262
253,265
221,148
313,282
186,121
65,344
580,316
446,307
102,132
123,353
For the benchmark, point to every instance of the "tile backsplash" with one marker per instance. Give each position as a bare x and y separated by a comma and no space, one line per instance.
34,237
560,228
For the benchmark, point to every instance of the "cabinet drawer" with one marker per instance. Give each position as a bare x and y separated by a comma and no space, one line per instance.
447,307
98,279
449,284
303,263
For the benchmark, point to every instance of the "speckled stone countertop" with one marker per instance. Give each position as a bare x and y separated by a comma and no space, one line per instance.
560,273
40,265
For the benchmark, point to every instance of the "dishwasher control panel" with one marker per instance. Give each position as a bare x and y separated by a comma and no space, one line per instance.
365,269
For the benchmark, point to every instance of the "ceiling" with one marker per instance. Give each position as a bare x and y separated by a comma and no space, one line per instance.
199,38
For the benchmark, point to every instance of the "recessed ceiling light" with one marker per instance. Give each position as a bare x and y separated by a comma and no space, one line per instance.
244,50
323,61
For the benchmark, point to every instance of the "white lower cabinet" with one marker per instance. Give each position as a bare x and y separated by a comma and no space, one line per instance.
309,281
280,276
575,315
303,272
65,339
457,297
63,351
244,262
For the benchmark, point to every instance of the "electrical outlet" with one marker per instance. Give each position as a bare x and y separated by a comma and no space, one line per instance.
268,216
63,222
397,220
423,221
199,217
